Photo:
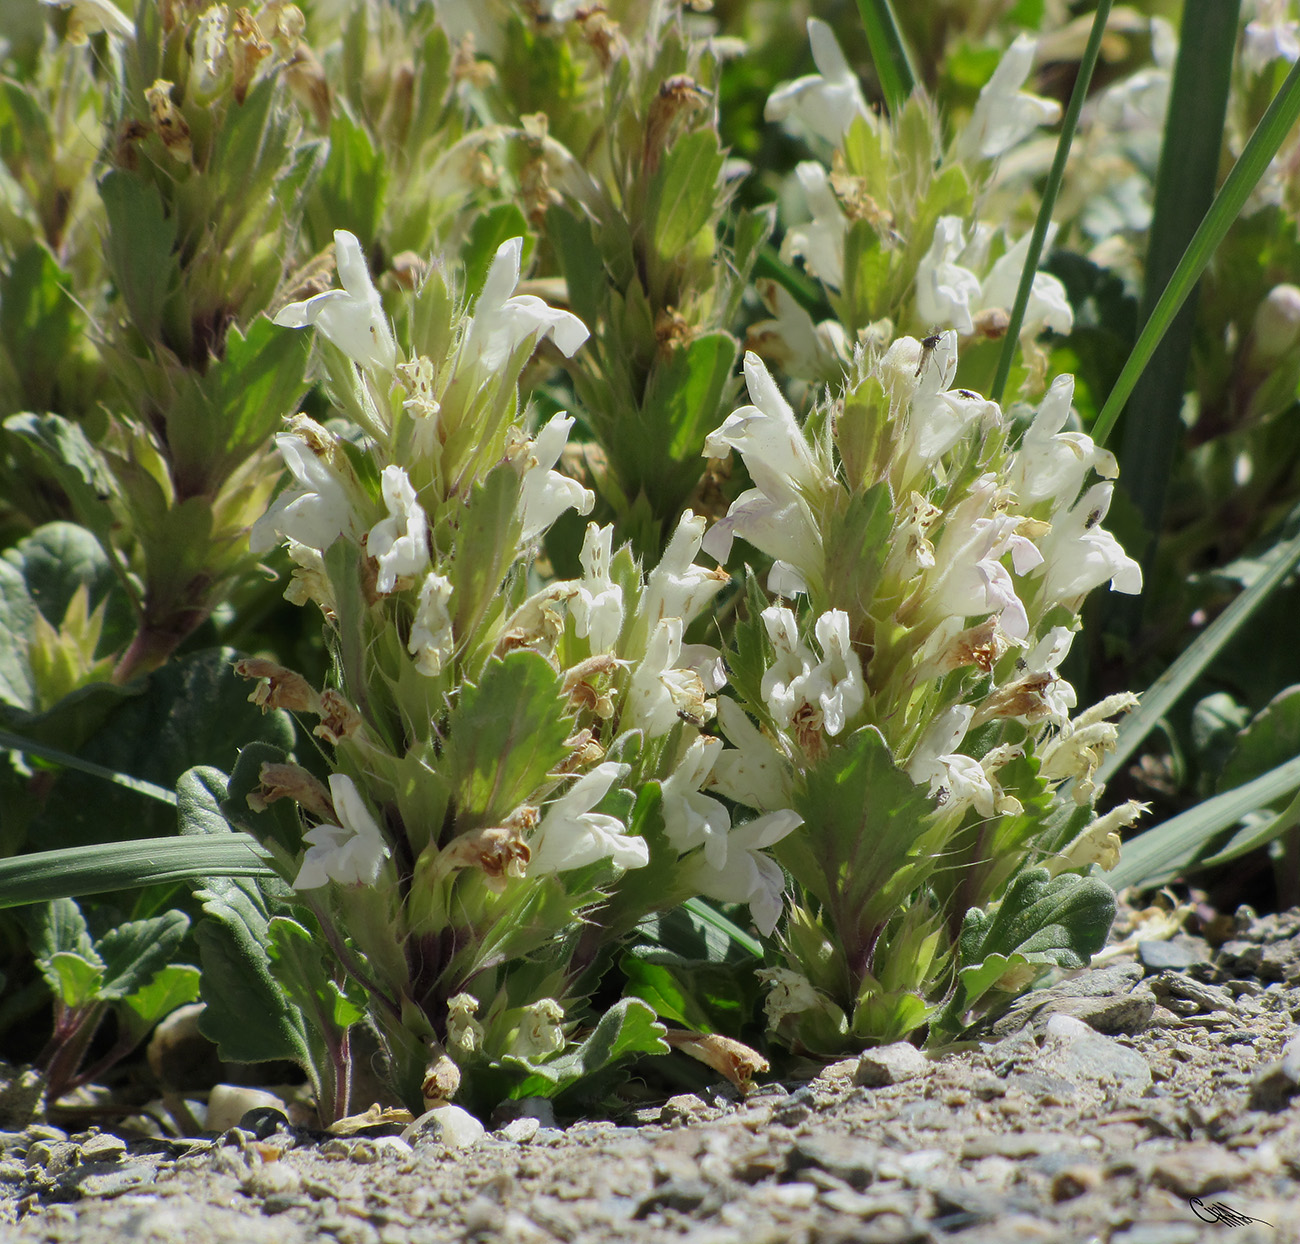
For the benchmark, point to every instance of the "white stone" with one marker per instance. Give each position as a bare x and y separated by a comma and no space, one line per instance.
228,1103
447,1125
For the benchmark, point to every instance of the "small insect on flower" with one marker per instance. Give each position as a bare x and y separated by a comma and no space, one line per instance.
1094,517
928,345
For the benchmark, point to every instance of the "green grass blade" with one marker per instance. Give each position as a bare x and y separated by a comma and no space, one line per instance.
1263,146
1161,696
128,865
1054,178
1189,171
710,915
1154,857
16,743
894,65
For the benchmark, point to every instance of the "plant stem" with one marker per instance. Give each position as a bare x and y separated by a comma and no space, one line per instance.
1054,178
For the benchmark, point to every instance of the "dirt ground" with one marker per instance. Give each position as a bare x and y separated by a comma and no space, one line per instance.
1154,1100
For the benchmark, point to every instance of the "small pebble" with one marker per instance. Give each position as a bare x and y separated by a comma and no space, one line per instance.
445,1125
890,1064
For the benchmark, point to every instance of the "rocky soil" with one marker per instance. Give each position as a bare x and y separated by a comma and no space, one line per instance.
1155,1100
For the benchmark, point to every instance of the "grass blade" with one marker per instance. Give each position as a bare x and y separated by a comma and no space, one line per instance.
894,65
1161,696
1054,178
1189,170
141,862
710,915
1154,857
1250,167
16,743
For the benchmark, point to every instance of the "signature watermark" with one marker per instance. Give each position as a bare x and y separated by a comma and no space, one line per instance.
1222,1214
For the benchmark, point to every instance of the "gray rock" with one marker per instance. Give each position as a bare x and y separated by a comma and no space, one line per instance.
847,1158
685,1195
106,1181
103,1148
1044,1087
1275,1083
519,1131
445,1125
1197,1169
1177,953
1090,1059
890,1064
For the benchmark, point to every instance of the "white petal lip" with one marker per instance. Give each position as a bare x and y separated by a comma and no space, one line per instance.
502,323
352,852
315,513
352,317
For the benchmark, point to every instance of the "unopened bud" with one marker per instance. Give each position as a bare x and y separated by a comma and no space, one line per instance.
1277,322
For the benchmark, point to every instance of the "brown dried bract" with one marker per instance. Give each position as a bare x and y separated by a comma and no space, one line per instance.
289,781
727,1056
278,687
338,718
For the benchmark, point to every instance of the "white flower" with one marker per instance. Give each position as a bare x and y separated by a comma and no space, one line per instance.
1272,35
1004,114
768,437
90,16
1048,306
752,770
661,692
1044,658
464,1032
545,494
571,835
691,819
748,876
352,852
825,103
1079,556
352,317
399,542
597,606
1139,102
315,513
791,340
937,416
819,242
945,290
968,577
677,587
540,1033
432,642
502,323
774,516
790,662
836,682
1052,463
956,781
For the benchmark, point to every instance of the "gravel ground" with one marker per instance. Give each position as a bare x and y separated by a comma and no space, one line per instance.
1153,1101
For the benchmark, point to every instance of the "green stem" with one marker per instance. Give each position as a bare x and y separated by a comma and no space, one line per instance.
894,65
1050,191
1264,143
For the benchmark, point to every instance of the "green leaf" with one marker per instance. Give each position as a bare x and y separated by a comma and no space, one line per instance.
505,735
682,401
1154,857
865,842
38,322
1271,738
140,248
194,710
59,926
699,994
1250,167
484,547
246,1012
490,228
133,954
300,968
1043,921
580,261
174,986
628,1028
17,620
56,560
75,981
683,192
857,544
74,463
1165,692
